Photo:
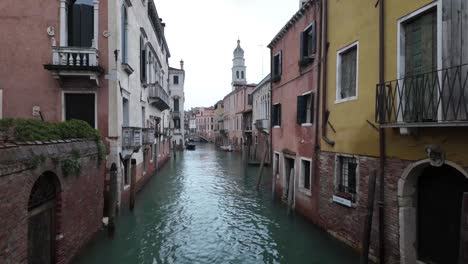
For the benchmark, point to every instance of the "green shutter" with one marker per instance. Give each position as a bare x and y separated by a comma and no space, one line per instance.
313,38
300,110
280,68
312,108
279,114
302,47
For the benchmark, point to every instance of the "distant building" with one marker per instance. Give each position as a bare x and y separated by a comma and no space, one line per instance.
219,123
237,106
205,123
176,86
261,97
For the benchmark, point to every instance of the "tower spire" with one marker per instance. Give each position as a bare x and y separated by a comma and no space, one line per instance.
239,73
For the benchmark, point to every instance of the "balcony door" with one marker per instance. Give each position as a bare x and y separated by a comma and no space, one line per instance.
81,107
80,23
420,85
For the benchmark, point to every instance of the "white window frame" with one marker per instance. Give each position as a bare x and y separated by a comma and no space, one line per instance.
308,124
401,42
338,72
82,92
275,126
337,172
1,103
301,188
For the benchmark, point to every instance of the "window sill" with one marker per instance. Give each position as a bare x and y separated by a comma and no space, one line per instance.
306,61
127,68
276,78
305,191
341,199
276,126
306,124
339,101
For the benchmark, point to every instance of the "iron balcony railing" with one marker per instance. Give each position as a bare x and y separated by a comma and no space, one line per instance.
437,98
158,96
131,137
148,136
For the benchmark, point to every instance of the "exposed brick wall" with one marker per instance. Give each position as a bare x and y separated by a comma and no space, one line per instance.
347,224
79,204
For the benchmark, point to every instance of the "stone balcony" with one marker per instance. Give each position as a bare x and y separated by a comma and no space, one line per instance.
131,138
75,63
158,96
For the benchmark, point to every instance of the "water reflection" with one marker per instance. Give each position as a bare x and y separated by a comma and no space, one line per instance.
203,208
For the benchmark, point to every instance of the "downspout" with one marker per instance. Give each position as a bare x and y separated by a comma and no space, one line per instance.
382,145
324,58
273,177
316,113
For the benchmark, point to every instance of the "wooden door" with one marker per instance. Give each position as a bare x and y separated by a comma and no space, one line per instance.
41,235
440,195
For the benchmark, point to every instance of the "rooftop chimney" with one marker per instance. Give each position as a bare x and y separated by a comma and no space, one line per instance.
181,64
162,24
302,2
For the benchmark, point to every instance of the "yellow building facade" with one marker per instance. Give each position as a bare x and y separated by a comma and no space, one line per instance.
419,111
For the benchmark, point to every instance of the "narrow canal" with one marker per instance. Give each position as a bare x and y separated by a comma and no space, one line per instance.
203,208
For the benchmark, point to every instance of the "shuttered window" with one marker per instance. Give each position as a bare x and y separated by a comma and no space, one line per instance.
81,23
124,34
305,108
347,73
277,115
277,66
308,43
142,60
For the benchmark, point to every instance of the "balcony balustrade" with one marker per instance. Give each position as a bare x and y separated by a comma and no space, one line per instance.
131,138
262,124
75,62
437,98
148,136
158,96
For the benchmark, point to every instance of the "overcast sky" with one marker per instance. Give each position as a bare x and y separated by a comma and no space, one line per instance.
204,34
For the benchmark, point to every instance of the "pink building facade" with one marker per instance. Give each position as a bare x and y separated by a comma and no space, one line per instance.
294,85
236,111
205,121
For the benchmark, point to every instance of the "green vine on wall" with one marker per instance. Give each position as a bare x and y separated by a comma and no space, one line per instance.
37,130
72,165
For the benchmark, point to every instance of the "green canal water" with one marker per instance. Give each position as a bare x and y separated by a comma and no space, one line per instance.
202,207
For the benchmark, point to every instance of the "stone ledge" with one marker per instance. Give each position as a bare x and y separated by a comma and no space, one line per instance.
17,156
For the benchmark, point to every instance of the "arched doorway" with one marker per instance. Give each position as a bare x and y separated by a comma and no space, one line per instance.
41,219
430,203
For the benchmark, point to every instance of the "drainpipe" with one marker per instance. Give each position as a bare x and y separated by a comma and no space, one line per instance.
273,177
325,112
316,113
382,145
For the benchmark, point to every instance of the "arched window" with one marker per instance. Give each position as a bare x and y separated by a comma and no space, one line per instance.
237,74
242,74
80,23
124,33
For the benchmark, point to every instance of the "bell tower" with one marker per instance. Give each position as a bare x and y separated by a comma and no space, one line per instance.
239,73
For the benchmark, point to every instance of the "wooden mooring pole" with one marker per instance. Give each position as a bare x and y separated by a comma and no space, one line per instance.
260,171
112,199
368,224
132,184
